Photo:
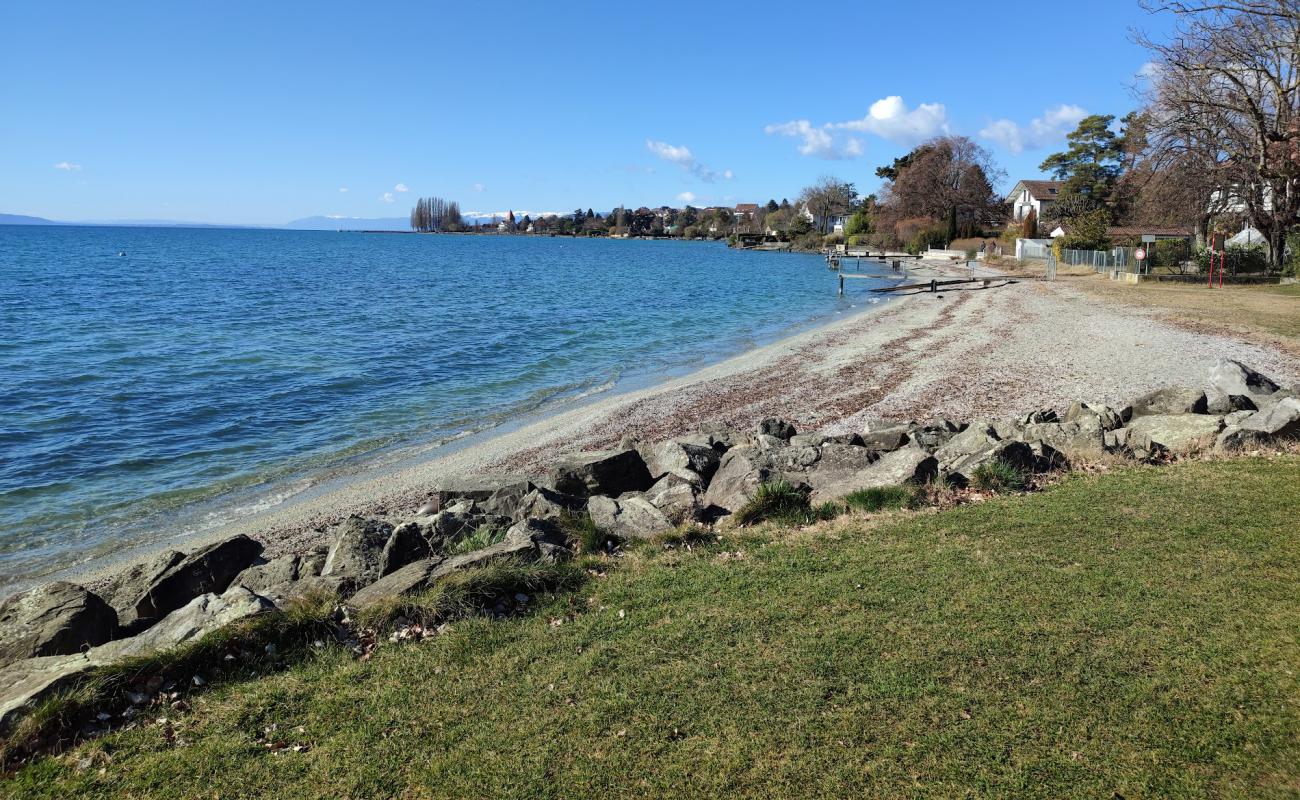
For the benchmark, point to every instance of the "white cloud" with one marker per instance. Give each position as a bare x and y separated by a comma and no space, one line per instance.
1148,72
389,197
343,189
68,166
682,157
401,187
890,118
1050,127
478,187
687,197
818,142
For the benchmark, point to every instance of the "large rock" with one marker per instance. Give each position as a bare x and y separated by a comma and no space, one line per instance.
407,543
530,540
1281,421
1030,458
279,571
677,497
543,503
608,473
209,569
55,619
628,518
742,471
1071,437
978,436
1092,417
886,439
680,457
24,684
838,471
910,464
124,588
779,428
200,616
1168,401
1235,378
357,550
1174,432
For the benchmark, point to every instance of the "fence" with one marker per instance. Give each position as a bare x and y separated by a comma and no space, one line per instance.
1100,260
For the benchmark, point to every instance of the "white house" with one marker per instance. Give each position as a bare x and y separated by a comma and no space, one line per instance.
1036,195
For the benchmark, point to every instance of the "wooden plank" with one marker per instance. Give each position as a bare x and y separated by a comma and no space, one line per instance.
935,284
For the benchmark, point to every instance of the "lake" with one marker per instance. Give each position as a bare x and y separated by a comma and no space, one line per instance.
222,366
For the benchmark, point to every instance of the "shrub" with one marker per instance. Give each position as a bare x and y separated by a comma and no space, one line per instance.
479,538
998,476
581,531
779,502
829,510
883,497
1237,260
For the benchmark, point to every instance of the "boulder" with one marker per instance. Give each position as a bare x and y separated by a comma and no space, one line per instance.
839,471
1282,420
1072,437
677,456
933,435
55,619
542,503
1173,432
909,464
779,428
530,540
720,436
279,571
677,498
1168,401
628,518
1029,457
1235,378
504,501
1219,402
24,684
1039,417
1094,417
884,440
609,473
739,475
200,616
209,569
124,588
357,549
407,543
978,436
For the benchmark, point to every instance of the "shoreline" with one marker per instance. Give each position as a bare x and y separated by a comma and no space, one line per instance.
963,353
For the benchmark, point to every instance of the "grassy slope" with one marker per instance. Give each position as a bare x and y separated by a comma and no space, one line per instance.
1134,633
1269,313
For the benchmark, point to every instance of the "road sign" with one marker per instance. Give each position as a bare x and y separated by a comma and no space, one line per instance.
1140,254
1148,237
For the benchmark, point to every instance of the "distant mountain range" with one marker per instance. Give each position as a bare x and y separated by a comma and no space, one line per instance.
317,223
320,223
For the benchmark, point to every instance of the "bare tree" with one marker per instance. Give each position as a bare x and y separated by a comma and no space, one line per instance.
1226,100
829,197
945,177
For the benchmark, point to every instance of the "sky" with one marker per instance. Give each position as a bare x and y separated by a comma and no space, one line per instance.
265,112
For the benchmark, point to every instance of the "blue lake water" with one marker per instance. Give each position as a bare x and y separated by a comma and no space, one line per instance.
205,364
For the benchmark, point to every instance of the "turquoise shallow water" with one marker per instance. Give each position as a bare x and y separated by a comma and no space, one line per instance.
219,363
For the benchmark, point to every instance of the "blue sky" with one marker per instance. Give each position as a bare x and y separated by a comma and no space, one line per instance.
263,112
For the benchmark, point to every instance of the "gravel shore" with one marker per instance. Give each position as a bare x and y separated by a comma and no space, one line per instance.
965,353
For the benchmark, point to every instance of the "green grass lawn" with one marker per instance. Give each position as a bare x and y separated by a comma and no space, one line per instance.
1135,634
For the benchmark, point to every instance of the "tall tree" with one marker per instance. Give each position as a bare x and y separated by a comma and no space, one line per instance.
945,176
1228,81
1092,164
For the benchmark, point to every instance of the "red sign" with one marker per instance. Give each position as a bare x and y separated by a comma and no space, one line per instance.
1140,254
